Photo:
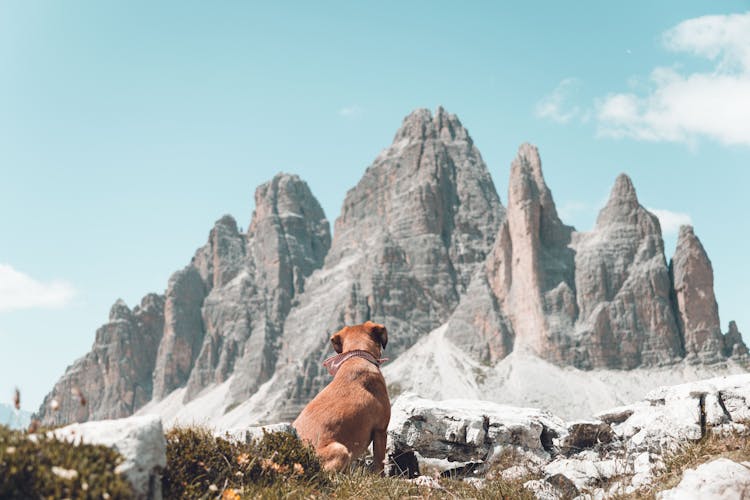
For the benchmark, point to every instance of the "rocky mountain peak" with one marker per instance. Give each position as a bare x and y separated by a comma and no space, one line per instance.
287,239
623,190
421,124
288,221
733,344
693,292
622,205
686,234
119,310
531,267
423,245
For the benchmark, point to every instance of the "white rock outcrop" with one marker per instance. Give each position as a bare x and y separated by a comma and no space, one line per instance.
452,434
140,440
721,479
623,448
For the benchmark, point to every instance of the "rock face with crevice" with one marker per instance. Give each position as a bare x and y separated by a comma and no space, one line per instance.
697,311
618,451
115,378
622,280
734,346
600,299
409,237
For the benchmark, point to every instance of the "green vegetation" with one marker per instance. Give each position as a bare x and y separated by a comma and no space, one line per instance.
200,465
37,466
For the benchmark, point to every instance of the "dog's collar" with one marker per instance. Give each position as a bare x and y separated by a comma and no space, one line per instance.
334,362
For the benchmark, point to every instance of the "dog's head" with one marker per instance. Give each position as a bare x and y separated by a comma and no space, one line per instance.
368,336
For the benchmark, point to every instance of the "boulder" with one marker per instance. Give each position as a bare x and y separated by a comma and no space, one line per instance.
720,479
140,440
451,434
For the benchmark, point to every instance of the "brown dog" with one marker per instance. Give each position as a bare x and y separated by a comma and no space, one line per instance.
354,408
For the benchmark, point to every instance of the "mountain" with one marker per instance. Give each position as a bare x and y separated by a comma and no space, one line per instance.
423,245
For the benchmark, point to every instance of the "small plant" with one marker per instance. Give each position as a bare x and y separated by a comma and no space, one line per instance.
734,445
37,466
200,464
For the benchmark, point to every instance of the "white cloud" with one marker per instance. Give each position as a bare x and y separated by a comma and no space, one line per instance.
351,111
19,291
683,107
555,106
670,221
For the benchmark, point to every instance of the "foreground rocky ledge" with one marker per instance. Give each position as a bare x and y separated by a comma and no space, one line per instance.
619,451
623,448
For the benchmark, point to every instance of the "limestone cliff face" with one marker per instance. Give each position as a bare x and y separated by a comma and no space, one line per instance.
422,242
532,271
623,286
114,379
287,239
408,239
696,307
734,346
600,299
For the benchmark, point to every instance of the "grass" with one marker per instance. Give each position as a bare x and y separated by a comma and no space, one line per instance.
280,466
44,467
200,465
734,445
363,484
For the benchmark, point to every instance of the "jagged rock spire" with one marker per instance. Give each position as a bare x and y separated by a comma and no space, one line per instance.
113,380
697,311
623,288
531,267
734,346
410,235
287,239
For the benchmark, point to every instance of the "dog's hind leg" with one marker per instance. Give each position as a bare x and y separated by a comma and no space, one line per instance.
378,450
335,456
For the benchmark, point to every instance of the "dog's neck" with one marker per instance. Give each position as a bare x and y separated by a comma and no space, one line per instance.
334,362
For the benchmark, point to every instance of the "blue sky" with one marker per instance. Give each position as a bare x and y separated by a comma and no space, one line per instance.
127,129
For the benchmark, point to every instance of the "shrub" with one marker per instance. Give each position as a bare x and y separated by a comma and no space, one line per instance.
200,464
43,467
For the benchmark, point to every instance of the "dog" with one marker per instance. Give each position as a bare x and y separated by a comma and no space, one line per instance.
354,409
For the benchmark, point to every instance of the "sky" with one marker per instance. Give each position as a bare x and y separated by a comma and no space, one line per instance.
128,128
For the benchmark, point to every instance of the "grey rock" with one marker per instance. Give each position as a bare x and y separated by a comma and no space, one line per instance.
183,331
623,289
287,239
697,311
422,244
140,441
456,432
586,435
734,346
531,268
543,490
720,479
408,239
114,379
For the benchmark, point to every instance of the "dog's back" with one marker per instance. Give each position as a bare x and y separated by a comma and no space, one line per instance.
354,409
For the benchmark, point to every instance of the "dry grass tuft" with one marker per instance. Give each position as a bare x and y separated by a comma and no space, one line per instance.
734,445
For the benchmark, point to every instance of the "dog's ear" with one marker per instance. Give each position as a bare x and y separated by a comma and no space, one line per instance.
379,331
336,342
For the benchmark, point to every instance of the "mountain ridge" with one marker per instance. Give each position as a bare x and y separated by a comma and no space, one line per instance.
422,243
